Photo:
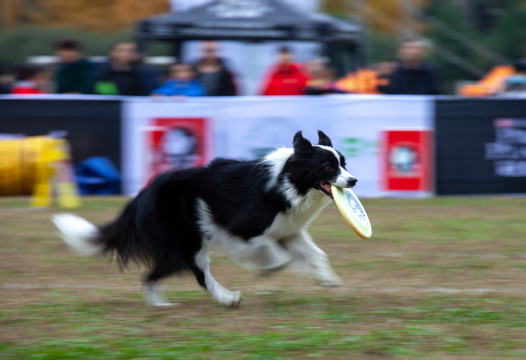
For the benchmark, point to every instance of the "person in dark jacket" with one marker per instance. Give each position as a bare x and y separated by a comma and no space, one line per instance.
6,81
412,75
74,73
213,73
123,74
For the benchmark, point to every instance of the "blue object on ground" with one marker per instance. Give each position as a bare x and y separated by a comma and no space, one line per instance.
98,176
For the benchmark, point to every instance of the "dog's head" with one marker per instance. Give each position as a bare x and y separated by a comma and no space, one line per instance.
317,166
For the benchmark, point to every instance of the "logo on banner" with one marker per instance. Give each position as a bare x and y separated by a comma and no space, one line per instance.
508,151
406,160
176,144
356,147
240,9
403,159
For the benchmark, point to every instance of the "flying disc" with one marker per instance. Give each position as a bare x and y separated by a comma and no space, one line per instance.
352,211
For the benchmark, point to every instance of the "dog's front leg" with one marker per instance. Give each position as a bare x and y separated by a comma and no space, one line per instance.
306,254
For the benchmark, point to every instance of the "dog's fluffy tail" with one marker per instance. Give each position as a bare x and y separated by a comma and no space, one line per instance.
118,238
79,234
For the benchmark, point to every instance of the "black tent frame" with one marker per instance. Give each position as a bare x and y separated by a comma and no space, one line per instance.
256,21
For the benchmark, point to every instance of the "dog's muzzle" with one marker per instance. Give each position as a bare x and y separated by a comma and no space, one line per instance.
352,182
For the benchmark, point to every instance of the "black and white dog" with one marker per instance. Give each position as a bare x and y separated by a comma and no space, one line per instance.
256,211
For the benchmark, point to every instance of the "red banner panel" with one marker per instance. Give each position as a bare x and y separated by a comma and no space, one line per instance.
177,143
407,160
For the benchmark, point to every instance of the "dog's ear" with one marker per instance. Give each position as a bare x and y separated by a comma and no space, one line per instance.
324,139
302,146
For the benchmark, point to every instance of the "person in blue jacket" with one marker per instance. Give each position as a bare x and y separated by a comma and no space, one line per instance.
182,82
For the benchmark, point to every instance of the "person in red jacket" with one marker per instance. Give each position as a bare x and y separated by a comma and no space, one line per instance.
285,77
30,80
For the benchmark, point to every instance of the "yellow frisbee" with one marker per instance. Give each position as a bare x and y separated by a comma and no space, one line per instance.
352,211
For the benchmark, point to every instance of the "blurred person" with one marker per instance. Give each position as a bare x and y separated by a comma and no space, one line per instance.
74,73
123,74
6,81
182,82
320,79
314,68
213,73
285,77
386,68
412,75
150,74
516,84
31,80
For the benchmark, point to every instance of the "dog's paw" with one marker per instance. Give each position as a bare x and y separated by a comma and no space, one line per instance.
333,281
161,304
159,301
233,299
156,299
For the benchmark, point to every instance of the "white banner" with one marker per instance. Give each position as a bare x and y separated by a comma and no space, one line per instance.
250,127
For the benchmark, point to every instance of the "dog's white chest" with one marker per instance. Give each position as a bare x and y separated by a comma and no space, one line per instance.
296,219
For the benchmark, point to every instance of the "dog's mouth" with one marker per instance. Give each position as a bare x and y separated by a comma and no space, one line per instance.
326,188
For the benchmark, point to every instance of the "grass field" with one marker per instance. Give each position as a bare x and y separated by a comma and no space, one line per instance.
441,278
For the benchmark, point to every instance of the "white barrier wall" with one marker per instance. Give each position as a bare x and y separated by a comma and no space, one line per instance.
248,127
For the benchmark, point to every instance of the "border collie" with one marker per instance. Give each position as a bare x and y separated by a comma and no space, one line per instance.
256,211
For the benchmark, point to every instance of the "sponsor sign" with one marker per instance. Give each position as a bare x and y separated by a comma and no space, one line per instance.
406,160
480,146
508,150
251,127
176,144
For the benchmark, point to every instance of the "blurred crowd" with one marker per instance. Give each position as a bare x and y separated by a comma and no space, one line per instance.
125,73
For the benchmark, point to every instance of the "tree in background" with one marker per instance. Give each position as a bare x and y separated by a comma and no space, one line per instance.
482,35
471,66
508,37
92,15
395,17
29,27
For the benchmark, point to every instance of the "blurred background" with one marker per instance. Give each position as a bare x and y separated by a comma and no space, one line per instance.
423,97
464,39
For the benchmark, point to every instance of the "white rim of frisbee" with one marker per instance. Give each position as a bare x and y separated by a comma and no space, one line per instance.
355,216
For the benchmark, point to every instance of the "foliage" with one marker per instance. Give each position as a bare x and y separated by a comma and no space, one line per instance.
381,15
380,47
503,39
457,22
26,41
93,15
508,37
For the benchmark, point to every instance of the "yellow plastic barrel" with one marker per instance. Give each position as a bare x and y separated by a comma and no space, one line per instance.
19,161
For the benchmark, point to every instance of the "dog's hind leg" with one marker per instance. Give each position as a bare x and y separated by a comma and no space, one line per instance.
152,294
201,270
308,256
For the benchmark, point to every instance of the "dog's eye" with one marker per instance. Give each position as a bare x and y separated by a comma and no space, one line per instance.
329,167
